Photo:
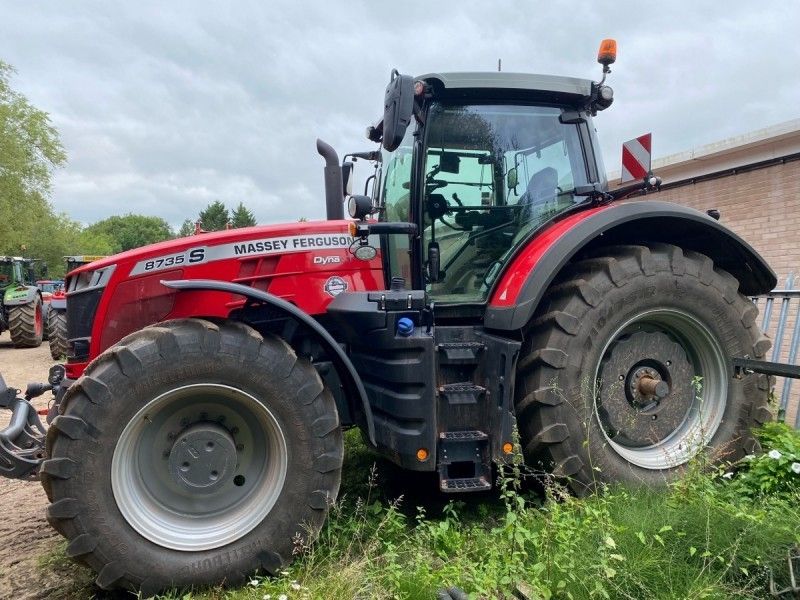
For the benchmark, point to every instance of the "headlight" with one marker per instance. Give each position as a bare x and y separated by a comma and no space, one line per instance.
90,279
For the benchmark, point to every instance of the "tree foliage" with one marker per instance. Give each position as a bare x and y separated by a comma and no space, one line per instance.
215,216
131,231
187,229
242,217
30,149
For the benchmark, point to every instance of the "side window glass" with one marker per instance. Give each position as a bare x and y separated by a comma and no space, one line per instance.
397,185
395,198
493,173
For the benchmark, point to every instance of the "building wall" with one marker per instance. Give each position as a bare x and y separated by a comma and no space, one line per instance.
762,206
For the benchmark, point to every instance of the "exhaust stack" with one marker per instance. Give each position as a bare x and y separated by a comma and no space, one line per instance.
334,196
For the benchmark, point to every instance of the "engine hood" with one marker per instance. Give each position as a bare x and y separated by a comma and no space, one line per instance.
250,236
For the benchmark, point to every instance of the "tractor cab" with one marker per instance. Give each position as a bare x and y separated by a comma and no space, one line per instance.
489,158
16,270
73,262
10,271
472,167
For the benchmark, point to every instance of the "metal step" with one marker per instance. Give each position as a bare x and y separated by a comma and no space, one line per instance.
464,462
462,393
468,484
460,352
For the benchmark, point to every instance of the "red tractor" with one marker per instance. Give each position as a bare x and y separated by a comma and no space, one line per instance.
487,283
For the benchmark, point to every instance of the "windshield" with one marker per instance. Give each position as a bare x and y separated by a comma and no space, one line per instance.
493,173
49,287
6,273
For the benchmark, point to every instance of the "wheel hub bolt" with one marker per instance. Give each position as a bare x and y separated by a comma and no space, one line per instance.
649,386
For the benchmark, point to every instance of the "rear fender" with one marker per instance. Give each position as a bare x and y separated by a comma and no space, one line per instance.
348,376
515,298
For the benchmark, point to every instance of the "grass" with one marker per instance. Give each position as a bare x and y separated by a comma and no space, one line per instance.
700,538
694,540
62,577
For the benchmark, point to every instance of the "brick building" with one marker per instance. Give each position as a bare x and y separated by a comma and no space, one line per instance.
754,181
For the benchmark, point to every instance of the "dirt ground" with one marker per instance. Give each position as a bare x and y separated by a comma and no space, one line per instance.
32,564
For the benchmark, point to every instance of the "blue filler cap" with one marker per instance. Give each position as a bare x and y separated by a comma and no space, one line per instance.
405,326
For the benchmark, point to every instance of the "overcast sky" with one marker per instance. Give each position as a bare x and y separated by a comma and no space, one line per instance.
164,107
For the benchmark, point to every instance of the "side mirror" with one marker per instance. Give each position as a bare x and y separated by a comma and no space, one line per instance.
347,178
512,179
398,107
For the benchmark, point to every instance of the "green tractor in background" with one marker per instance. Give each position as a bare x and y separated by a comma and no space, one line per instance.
21,309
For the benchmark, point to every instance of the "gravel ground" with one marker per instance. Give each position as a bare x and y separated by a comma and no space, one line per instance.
32,564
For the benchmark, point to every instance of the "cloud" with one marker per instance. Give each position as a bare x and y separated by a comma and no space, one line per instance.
164,107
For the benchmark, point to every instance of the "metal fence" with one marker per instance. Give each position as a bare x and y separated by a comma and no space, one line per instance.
780,320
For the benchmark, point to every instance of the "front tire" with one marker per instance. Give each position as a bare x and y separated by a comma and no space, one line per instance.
190,454
625,372
26,324
57,330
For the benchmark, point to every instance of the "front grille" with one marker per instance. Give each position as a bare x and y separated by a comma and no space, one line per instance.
81,307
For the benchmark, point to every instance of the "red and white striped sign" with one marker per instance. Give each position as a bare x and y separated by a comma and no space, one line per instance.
636,158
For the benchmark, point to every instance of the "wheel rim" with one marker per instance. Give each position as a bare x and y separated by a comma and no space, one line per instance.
199,467
660,364
37,319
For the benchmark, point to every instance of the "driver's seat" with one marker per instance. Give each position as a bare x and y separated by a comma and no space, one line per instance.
541,190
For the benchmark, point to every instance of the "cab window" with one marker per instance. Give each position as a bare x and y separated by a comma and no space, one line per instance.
395,196
492,175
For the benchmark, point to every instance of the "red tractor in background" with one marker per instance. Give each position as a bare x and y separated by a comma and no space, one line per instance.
487,283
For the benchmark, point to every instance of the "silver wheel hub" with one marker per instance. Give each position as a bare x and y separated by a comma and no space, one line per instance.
199,466
203,458
661,388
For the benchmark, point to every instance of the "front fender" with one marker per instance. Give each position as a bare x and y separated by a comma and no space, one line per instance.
516,296
344,367
18,296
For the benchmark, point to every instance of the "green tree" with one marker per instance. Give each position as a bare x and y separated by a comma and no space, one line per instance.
242,217
187,229
132,231
56,237
30,149
215,216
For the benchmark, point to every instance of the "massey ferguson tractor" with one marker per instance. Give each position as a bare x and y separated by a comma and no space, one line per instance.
486,284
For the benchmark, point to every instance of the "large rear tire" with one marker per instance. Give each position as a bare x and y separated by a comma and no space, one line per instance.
26,324
57,333
192,454
625,373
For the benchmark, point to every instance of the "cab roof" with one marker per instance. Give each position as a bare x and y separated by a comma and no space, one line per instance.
569,90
